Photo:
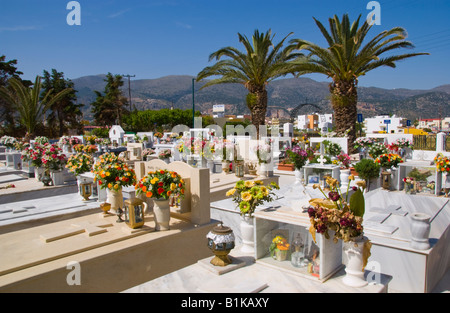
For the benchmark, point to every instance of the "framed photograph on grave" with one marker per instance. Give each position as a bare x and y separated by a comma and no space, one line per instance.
313,179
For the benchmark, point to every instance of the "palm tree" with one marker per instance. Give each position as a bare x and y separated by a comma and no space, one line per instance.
262,62
26,100
346,59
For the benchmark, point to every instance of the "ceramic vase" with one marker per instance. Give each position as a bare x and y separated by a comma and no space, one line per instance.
354,276
115,198
38,173
262,170
161,210
420,231
345,173
57,178
247,227
298,176
280,255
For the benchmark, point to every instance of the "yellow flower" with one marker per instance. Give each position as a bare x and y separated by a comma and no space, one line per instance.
249,183
108,173
116,186
351,177
259,182
231,192
246,196
173,186
264,190
323,203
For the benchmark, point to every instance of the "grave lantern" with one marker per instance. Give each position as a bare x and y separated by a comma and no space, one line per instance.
221,241
239,169
86,190
386,180
133,212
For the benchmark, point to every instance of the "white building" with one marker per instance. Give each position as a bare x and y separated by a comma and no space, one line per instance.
384,124
116,134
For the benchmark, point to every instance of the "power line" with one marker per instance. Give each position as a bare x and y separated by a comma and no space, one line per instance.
129,89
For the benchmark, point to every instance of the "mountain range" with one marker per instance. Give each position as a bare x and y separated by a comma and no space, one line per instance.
283,96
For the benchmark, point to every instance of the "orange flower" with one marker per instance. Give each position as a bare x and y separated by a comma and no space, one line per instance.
149,194
144,188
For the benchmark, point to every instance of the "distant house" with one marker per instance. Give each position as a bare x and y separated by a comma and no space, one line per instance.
432,123
116,134
384,124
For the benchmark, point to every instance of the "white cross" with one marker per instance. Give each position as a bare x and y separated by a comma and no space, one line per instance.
78,228
321,160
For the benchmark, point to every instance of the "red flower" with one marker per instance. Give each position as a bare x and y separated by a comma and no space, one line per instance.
160,190
160,184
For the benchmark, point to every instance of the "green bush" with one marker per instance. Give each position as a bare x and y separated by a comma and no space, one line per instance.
367,169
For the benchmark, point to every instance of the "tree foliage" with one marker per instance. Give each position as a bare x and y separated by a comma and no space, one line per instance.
65,113
110,107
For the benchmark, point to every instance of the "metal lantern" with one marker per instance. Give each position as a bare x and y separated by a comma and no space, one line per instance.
86,190
239,169
386,180
133,212
221,241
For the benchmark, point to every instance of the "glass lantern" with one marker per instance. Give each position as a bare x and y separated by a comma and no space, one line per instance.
221,241
133,212
86,190
298,253
239,169
386,179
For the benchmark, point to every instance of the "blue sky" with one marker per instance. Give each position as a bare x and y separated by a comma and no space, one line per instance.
155,38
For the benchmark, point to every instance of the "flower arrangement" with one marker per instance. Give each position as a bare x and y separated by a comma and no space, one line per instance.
79,163
298,155
403,143
90,149
147,152
52,157
34,155
41,140
442,163
91,139
377,149
64,140
331,148
78,147
278,243
344,159
21,145
165,154
105,141
263,152
161,184
74,141
389,160
335,213
363,142
8,141
249,194
158,135
113,173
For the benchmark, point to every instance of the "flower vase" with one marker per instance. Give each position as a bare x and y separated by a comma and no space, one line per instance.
247,227
344,175
57,178
354,269
38,173
149,201
262,170
280,255
420,231
115,198
299,174
161,210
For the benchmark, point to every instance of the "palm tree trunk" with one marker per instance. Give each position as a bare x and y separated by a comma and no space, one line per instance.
258,106
344,100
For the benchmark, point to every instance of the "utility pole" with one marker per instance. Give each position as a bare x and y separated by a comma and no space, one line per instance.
129,89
